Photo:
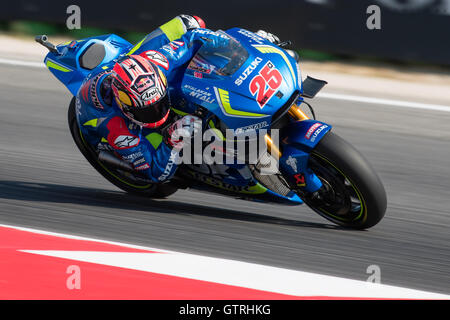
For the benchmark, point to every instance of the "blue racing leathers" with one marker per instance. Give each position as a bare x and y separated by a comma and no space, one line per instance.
106,128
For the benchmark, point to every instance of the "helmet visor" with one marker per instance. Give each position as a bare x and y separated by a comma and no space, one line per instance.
152,113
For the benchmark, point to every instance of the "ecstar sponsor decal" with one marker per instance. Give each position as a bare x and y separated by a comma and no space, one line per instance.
255,126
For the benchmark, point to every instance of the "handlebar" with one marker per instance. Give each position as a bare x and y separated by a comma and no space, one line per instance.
43,39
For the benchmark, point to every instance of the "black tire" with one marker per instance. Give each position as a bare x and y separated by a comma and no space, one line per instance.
353,195
113,175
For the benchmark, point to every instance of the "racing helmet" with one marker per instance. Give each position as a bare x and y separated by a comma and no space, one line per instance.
140,90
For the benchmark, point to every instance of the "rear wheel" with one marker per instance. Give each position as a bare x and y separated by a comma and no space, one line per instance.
352,194
119,178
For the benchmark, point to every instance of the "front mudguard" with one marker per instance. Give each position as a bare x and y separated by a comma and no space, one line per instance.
298,139
304,134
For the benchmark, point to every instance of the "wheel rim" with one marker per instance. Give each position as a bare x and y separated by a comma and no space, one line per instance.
339,198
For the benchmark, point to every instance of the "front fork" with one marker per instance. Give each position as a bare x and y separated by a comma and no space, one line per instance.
295,170
299,138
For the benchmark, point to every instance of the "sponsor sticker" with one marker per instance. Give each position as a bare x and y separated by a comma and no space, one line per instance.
248,71
219,183
199,68
150,94
176,44
292,162
255,126
317,132
172,161
209,32
312,129
200,94
145,166
254,37
133,156
300,180
139,161
264,85
168,49
123,142
143,83
157,58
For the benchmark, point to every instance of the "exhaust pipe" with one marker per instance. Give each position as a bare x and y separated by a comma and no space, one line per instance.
110,159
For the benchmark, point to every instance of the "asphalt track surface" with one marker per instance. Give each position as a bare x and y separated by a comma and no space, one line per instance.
45,183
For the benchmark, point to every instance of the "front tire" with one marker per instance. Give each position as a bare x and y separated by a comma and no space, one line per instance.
352,194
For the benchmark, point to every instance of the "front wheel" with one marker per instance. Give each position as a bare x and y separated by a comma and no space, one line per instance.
352,194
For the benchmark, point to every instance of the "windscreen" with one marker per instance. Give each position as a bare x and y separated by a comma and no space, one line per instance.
218,58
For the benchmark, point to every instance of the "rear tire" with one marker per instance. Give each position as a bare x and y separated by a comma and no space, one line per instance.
113,175
353,195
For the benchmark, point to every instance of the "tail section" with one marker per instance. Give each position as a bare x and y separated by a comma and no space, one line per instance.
72,61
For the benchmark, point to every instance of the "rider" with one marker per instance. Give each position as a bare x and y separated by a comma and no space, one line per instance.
125,107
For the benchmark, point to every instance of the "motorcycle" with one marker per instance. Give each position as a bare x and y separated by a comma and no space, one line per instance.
245,85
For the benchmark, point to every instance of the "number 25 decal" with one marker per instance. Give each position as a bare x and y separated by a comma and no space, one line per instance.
265,84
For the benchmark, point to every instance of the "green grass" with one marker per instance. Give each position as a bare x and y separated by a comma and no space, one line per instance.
32,28
316,55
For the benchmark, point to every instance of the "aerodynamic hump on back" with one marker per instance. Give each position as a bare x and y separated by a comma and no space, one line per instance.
72,61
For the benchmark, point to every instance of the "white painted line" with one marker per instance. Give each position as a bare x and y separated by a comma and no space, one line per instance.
33,64
232,272
242,274
335,96
389,102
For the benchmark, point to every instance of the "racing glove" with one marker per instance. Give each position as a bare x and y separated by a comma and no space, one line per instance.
192,22
268,36
182,131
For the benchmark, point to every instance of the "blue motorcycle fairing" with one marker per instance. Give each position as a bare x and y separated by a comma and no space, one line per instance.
253,190
66,65
227,92
229,97
299,138
294,166
304,134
